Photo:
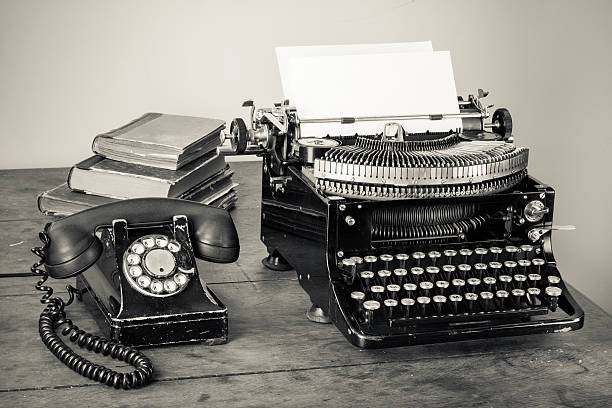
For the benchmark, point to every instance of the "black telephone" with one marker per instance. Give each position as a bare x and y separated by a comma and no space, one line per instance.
135,268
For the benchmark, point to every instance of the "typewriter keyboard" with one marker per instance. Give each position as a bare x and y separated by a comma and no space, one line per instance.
450,285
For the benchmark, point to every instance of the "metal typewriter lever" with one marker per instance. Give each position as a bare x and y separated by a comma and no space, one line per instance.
536,233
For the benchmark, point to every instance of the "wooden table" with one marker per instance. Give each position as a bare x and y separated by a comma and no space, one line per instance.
275,357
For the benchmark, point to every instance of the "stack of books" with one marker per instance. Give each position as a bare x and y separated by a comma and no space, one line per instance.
156,155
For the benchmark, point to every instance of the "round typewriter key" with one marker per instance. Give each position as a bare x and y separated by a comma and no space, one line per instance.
377,291
393,290
180,278
464,270
534,279
532,296
407,303
174,246
524,265
418,256
480,269
135,271
366,280
423,301
442,286
486,301
370,307
156,286
439,302
170,286
512,251
348,266
138,248
416,273
473,284
400,275
383,276
432,272
517,297
519,280
133,259
455,299
358,298
450,255
458,285
495,267
370,260
489,282
501,296
144,281
448,271
495,252
357,259
510,267
470,298
390,305
481,252
433,256
410,289
465,253
148,242
553,280
426,287
385,259
538,263
527,251
161,242
401,260
504,281
552,295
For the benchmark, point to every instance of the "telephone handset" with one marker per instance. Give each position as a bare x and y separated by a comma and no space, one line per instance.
134,262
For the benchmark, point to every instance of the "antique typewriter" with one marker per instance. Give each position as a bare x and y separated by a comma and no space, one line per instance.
404,239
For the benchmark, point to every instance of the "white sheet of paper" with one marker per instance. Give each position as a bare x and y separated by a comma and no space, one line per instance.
286,55
410,83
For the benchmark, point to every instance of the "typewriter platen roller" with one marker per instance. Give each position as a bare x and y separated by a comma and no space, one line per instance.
404,238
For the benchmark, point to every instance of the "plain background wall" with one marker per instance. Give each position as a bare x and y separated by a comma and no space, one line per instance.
71,69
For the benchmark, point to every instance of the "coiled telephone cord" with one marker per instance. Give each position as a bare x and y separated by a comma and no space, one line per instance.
54,316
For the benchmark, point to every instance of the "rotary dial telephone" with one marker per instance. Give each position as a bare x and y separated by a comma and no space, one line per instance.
134,262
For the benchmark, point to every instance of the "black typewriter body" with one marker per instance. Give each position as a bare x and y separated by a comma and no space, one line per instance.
433,265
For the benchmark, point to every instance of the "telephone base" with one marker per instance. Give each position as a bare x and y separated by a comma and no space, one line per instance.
207,326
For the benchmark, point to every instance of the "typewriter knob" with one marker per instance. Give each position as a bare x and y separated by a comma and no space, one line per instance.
238,135
502,123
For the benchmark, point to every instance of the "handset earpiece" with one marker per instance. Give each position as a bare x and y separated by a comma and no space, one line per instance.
72,248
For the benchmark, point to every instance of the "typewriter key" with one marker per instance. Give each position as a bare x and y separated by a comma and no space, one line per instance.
377,292
383,276
410,288
418,256
512,252
458,285
432,273
480,269
532,296
519,280
473,284
495,252
455,299
433,256
538,263
495,268
385,259
481,253
534,279
450,255
401,260
358,298
393,290
553,280
357,259
501,296
423,301
370,307
524,265
442,286
366,280
439,302
486,301
510,267
416,273
464,270
448,271
517,297
552,295
527,251
400,275
349,266
407,303
470,298
489,282
369,260
390,305
426,288
505,282
465,253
